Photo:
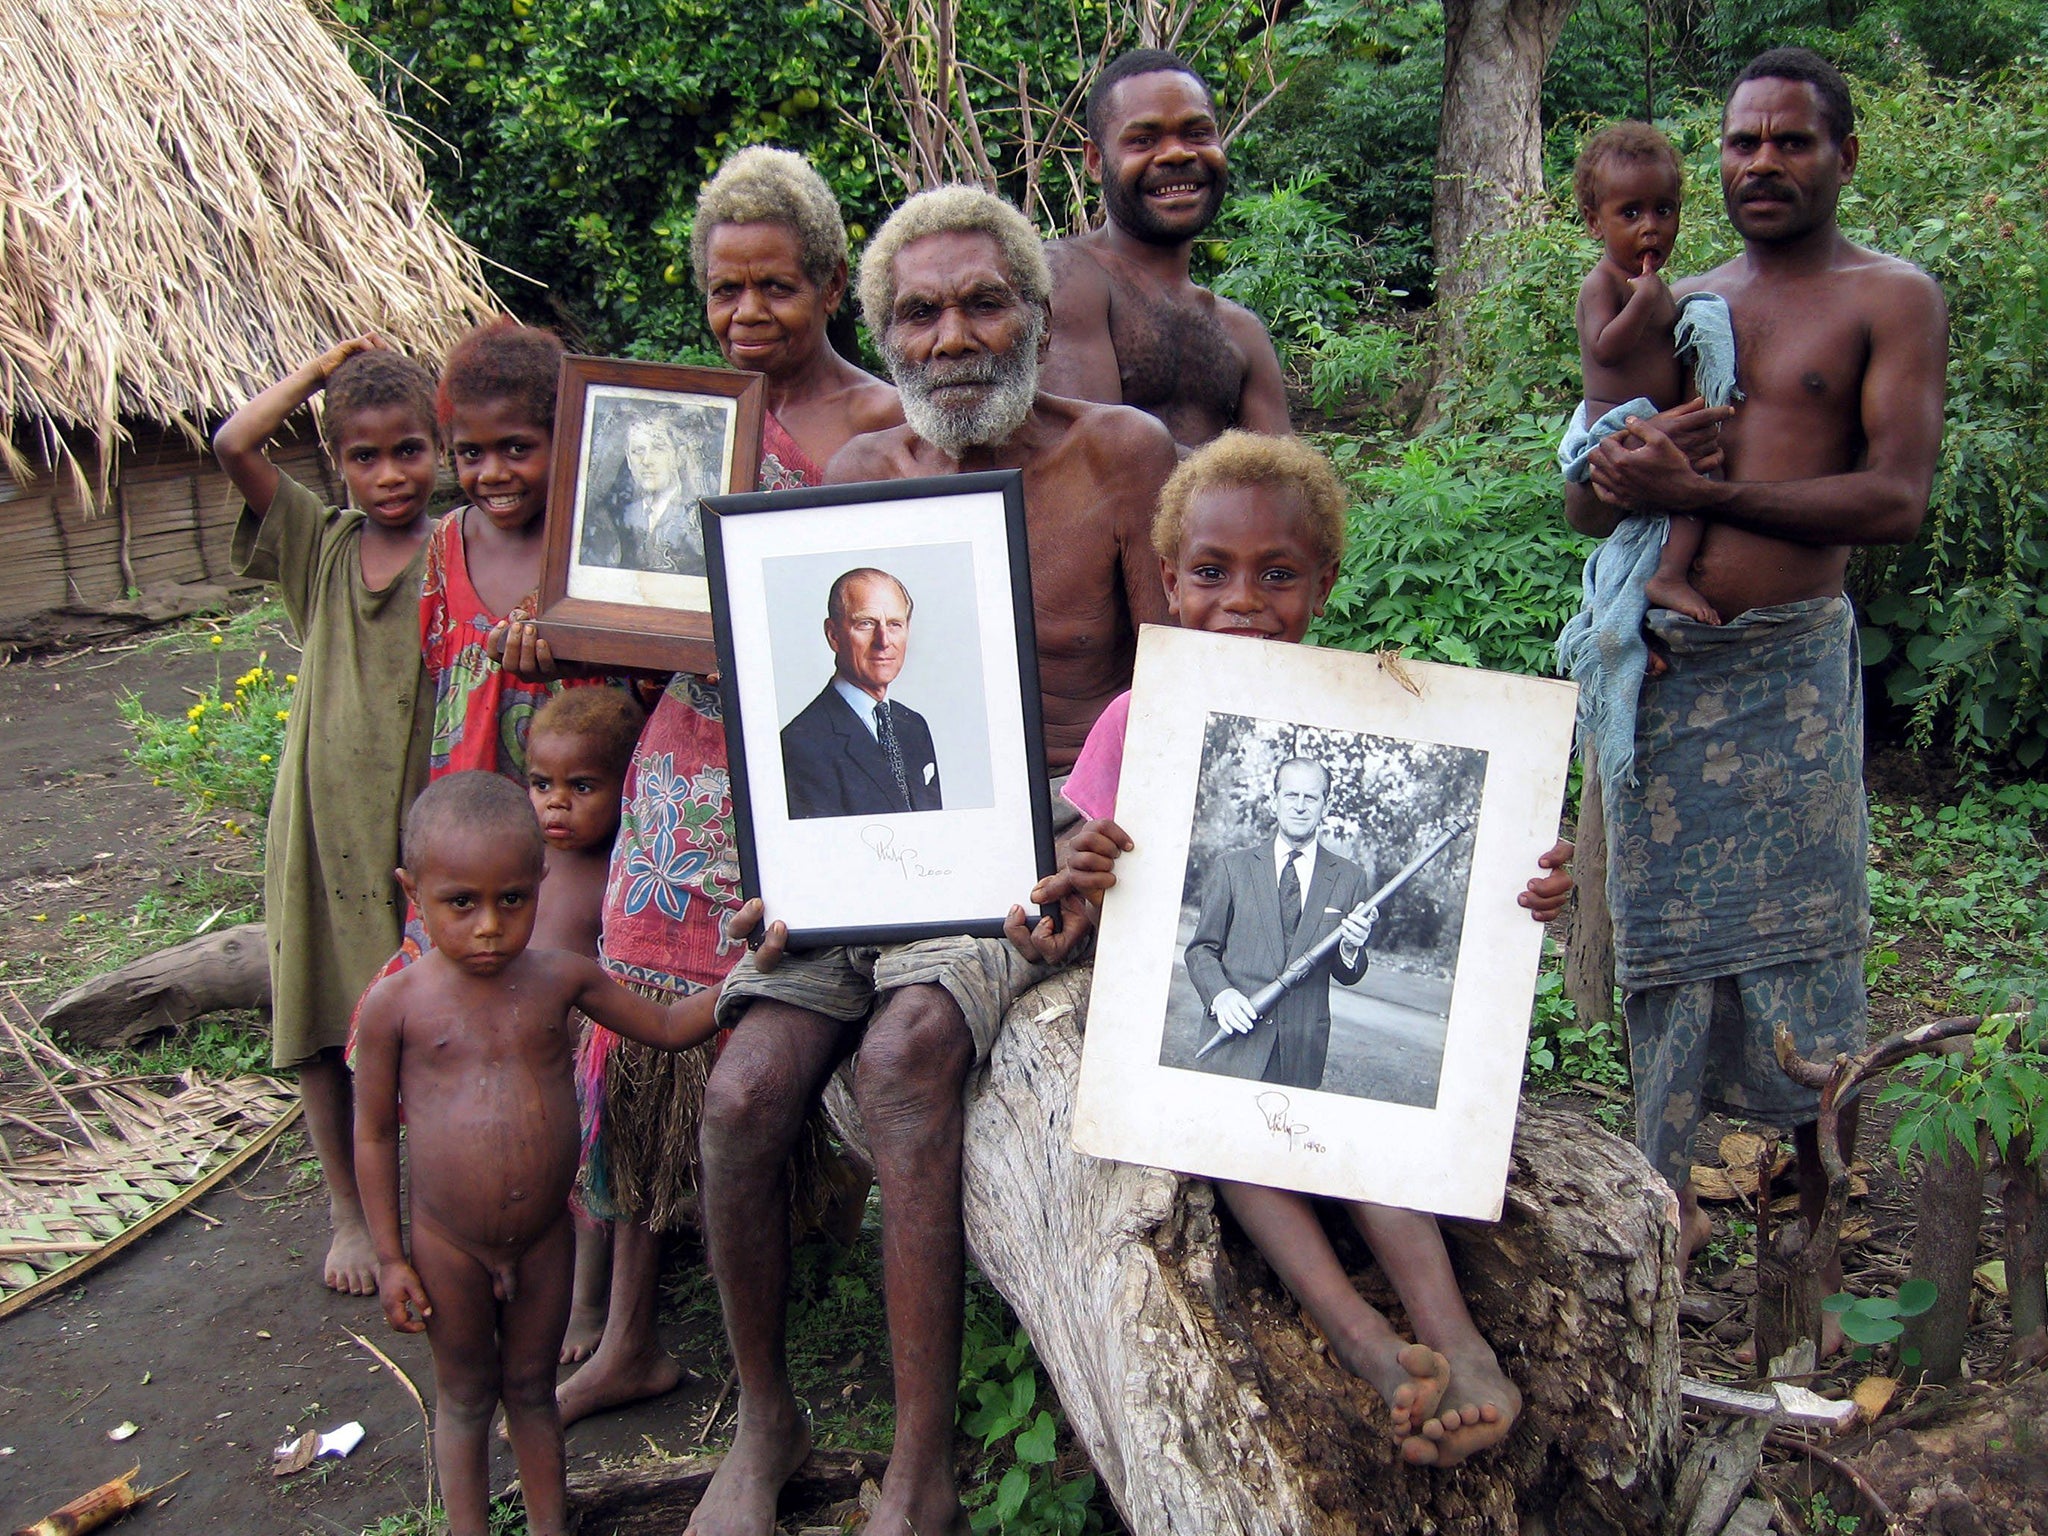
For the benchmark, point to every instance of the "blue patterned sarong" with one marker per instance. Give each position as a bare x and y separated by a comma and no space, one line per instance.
1737,866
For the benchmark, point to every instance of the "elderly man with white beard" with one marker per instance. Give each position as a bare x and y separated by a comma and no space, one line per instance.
955,288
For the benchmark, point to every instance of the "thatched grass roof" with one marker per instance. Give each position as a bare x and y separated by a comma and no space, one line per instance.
195,197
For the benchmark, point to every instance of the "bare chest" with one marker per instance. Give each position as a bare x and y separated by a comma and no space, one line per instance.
1173,354
1801,364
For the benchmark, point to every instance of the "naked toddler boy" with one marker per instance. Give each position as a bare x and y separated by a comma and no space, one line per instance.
477,1040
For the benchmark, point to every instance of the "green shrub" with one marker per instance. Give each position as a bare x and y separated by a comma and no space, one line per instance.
1458,551
221,754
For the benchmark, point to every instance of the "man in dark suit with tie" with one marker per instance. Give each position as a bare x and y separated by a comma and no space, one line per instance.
1263,906
853,751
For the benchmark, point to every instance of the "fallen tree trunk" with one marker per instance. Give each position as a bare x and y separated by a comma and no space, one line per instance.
1204,1399
227,969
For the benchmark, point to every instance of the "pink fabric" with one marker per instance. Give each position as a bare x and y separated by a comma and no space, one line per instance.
1091,787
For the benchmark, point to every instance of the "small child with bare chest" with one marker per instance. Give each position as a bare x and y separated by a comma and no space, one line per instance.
1629,183
477,1039
578,749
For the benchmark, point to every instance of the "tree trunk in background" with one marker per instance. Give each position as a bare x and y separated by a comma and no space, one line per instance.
1948,1206
1208,1404
1489,149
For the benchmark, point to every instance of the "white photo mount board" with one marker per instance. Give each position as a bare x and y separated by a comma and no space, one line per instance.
1451,1160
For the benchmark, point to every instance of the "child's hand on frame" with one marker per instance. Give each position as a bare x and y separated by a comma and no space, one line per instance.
774,941
516,645
1087,864
1044,945
1546,895
406,1307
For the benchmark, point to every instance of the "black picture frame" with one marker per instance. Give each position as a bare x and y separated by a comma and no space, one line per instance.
760,548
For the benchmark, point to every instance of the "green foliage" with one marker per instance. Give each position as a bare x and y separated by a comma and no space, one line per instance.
1288,258
1996,1092
1868,1321
999,1402
221,754
1458,551
1971,875
1822,1518
1565,1055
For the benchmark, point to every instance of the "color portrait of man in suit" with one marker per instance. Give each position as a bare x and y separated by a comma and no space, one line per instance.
853,750
1264,905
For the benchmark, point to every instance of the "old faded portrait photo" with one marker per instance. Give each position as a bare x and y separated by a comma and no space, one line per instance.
647,459
878,681
1296,965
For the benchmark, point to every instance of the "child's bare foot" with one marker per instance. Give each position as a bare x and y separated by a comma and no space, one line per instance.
351,1266
1679,597
770,1445
1414,1402
918,1507
614,1377
586,1331
1479,1408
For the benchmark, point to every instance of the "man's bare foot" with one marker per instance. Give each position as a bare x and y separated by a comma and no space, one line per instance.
1695,1228
351,1266
615,1377
918,1507
770,1445
586,1331
1479,1408
1680,597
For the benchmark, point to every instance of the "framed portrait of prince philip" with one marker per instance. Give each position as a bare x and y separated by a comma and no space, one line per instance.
882,712
1312,972
637,448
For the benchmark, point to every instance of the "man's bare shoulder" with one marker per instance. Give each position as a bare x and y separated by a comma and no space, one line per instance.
1080,282
1242,326
874,407
1714,280
1119,434
1894,277
871,456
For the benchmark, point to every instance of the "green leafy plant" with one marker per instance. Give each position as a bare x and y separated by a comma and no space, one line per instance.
221,755
1996,1091
1287,258
1869,1321
999,1404
1821,1517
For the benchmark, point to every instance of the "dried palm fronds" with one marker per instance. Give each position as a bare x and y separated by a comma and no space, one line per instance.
111,1157
195,197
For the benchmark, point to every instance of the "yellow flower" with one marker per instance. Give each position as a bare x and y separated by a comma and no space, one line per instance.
191,730
216,640
291,679
196,710
284,714
39,917
263,757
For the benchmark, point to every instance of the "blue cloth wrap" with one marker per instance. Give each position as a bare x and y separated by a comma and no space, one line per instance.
1602,647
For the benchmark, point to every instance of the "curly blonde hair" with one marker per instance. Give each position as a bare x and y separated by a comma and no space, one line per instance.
943,210
1251,459
772,186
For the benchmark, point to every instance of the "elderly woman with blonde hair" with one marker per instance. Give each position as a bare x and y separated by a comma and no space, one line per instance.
769,254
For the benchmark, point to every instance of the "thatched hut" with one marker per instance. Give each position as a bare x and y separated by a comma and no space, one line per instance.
195,197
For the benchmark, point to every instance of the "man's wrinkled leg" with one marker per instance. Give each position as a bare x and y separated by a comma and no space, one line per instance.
912,1066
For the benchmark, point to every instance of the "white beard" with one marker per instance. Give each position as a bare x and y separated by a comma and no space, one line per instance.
992,418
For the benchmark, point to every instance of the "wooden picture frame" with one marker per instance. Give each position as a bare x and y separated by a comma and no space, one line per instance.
1389,1072
842,844
637,445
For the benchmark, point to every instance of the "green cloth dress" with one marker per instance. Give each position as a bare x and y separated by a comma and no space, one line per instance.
355,754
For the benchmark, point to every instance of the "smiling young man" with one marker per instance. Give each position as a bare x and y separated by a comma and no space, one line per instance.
1738,852
1129,326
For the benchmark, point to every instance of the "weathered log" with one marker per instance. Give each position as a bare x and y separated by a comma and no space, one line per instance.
657,1498
1589,945
1948,1212
227,969
1201,1394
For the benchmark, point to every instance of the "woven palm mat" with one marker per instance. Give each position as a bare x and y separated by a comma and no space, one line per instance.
89,1161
